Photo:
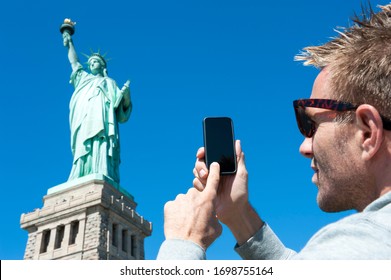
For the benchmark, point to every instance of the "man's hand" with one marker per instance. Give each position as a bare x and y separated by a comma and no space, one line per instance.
233,190
232,205
192,216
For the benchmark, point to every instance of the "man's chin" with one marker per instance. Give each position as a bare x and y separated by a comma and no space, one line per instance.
329,205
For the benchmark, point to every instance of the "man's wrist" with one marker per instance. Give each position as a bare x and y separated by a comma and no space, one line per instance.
245,224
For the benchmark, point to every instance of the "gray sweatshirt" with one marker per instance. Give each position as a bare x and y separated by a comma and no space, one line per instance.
361,236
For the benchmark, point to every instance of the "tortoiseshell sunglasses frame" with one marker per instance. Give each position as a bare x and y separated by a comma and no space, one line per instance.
307,126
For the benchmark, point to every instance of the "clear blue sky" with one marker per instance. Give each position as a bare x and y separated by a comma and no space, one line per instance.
186,60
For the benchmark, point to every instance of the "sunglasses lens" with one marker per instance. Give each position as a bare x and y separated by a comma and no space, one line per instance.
306,125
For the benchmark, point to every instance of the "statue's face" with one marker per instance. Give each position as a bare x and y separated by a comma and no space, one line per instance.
96,66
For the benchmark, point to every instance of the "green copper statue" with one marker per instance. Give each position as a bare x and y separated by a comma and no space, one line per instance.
96,107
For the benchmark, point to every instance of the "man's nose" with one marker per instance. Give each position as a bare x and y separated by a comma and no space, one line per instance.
306,148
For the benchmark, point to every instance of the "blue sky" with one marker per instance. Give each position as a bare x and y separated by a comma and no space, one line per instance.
186,60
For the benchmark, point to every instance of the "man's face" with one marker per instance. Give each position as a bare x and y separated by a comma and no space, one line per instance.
338,171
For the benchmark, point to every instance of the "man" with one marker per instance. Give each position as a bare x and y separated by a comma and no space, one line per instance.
96,107
347,128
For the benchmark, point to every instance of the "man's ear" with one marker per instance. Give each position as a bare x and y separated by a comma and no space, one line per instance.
370,130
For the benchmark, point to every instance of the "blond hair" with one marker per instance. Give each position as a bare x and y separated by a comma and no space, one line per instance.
359,60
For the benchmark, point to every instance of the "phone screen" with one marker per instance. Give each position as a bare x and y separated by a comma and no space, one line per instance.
219,143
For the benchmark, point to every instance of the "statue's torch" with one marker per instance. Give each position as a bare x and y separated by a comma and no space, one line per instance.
67,27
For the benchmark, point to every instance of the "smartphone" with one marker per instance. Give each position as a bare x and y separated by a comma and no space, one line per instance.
219,143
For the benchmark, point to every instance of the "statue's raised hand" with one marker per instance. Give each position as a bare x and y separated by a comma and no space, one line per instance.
66,39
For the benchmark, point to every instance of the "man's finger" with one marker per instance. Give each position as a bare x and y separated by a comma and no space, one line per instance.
213,181
200,153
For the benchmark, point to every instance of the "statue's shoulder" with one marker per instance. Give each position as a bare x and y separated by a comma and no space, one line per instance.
77,68
78,74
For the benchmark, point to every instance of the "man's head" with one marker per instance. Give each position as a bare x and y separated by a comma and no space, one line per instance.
345,136
359,61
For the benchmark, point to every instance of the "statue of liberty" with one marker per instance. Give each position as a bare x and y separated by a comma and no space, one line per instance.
96,107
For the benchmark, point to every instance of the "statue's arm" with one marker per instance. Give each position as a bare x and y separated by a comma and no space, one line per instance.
72,55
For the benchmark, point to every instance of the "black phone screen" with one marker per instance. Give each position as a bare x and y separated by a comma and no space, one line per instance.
219,143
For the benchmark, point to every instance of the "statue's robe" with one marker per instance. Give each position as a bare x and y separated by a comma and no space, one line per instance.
96,107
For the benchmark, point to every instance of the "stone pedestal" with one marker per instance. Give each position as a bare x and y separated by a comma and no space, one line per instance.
87,219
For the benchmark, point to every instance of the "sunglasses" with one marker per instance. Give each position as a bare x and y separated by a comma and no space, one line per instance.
307,126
